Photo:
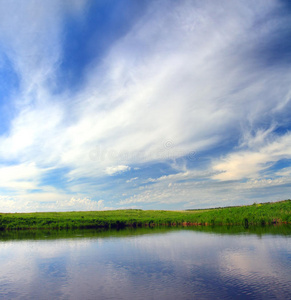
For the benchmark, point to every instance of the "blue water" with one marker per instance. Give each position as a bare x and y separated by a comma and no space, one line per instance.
174,264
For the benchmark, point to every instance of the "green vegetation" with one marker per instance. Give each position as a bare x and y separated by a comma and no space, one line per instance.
256,214
128,232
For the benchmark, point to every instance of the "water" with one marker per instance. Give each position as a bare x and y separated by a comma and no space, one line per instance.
147,264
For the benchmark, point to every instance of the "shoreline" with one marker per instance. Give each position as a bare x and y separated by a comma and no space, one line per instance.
256,214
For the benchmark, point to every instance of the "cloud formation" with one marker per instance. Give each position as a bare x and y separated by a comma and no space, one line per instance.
186,95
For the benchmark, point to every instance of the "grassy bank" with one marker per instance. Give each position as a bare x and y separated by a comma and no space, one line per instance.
256,214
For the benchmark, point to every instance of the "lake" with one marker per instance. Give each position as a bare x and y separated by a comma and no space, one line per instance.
152,263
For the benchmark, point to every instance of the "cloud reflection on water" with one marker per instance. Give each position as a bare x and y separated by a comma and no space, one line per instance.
178,264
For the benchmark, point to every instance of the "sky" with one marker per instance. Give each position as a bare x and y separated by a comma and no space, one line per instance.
114,104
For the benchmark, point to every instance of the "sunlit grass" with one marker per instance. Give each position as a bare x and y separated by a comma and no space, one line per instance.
256,214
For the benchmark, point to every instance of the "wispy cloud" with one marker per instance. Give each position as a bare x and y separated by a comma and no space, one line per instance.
117,169
132,179
181,79
250,163
21,177
49,202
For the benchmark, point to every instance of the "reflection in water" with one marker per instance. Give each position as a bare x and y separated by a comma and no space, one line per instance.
145,264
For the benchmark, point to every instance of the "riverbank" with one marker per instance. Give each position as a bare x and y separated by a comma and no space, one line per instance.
256,214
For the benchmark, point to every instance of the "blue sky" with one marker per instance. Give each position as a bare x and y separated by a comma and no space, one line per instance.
144,104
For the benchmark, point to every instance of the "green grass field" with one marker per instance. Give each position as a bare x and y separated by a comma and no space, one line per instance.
256,214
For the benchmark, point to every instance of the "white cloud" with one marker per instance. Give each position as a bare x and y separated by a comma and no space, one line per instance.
207,193
117,169
182,176
46,201
131,179
176,89
20,177
249,163
80,204
183,74
284,172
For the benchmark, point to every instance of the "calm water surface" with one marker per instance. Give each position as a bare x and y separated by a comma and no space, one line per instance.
146,264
